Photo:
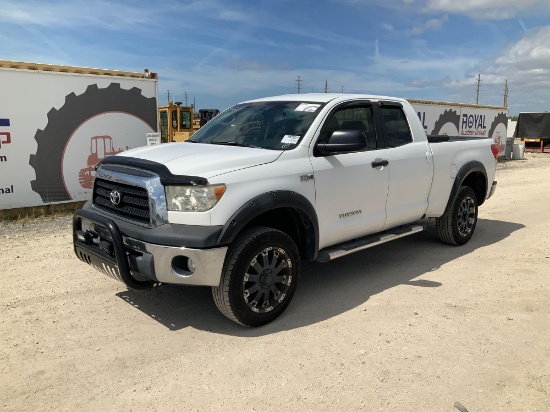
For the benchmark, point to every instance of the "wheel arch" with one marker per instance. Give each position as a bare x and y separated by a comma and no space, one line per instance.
284,210
474,175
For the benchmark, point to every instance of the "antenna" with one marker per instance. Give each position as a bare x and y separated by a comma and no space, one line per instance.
185,97
168,96
299,84
326,86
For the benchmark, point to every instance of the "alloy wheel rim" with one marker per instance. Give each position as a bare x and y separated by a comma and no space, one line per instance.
267,280
466,216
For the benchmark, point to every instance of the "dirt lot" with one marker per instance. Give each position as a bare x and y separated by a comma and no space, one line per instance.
413,325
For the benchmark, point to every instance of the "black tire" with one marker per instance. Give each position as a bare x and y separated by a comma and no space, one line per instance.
260,277
448,116
51,141
457,226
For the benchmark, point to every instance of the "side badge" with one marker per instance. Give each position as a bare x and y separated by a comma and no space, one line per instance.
306,178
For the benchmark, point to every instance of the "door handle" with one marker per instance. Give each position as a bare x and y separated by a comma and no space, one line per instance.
378,163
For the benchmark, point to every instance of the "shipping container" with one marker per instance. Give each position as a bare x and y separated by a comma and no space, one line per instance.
57,122
467,120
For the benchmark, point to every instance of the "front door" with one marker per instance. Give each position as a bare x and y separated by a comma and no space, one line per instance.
350,191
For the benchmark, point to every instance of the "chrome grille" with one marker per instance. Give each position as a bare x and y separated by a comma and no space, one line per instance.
134,201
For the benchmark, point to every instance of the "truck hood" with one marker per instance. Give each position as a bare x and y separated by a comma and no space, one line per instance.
201,159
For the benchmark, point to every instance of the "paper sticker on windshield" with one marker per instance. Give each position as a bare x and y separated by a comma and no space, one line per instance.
288,138
307,107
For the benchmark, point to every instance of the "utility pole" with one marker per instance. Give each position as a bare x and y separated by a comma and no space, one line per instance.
168,96
478,87
342,89
505,92
299,84
326,86
185,94
194,102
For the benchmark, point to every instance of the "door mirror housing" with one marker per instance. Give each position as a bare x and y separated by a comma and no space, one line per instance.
343,141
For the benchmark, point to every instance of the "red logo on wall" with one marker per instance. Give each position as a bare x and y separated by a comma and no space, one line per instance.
5,137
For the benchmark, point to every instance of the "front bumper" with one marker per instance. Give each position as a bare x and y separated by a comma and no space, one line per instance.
98,242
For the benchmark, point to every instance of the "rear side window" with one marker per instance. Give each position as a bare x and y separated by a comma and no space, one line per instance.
397,127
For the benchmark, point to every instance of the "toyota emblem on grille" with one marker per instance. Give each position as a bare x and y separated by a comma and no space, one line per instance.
115,197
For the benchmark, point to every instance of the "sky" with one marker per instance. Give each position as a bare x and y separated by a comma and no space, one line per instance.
221,52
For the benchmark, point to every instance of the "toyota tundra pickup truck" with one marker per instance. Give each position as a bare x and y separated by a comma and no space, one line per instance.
271,182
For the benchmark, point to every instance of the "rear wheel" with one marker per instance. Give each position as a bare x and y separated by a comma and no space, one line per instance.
457,226
260,277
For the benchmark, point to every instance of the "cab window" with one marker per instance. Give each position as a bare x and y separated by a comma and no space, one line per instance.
185,118
164,126
351,118
397,128
174,119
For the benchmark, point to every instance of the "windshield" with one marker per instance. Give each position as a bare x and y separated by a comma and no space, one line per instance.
268,125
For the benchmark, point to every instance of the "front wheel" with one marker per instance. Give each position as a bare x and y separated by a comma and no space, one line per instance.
457,226
260,277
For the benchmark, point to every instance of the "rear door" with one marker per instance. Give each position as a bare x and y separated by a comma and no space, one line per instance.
410,165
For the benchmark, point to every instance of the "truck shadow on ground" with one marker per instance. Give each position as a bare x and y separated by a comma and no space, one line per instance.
326,289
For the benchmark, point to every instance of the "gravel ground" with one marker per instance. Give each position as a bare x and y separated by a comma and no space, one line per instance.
412,325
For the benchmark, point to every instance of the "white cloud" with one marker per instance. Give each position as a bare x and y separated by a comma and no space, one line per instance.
526,67
115,15
451,65
531,52
475,9
101,14
432,24
485,9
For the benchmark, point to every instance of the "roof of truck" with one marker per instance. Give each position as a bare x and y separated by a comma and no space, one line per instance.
327,97
322,97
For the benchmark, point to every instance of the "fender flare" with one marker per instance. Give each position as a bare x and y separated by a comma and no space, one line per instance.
467,169
275,200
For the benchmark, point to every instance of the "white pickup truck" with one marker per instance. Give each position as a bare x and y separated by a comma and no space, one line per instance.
272,181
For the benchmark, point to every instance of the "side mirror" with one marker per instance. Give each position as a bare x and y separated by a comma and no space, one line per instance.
343,141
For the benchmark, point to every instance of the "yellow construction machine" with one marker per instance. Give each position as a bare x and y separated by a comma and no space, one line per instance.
176,122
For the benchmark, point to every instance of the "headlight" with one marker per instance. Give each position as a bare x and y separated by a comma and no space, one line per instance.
193,198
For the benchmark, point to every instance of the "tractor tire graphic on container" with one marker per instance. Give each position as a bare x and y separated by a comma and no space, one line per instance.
63,123
447,124
498,131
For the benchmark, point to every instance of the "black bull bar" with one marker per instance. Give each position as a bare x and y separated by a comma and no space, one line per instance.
103,248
